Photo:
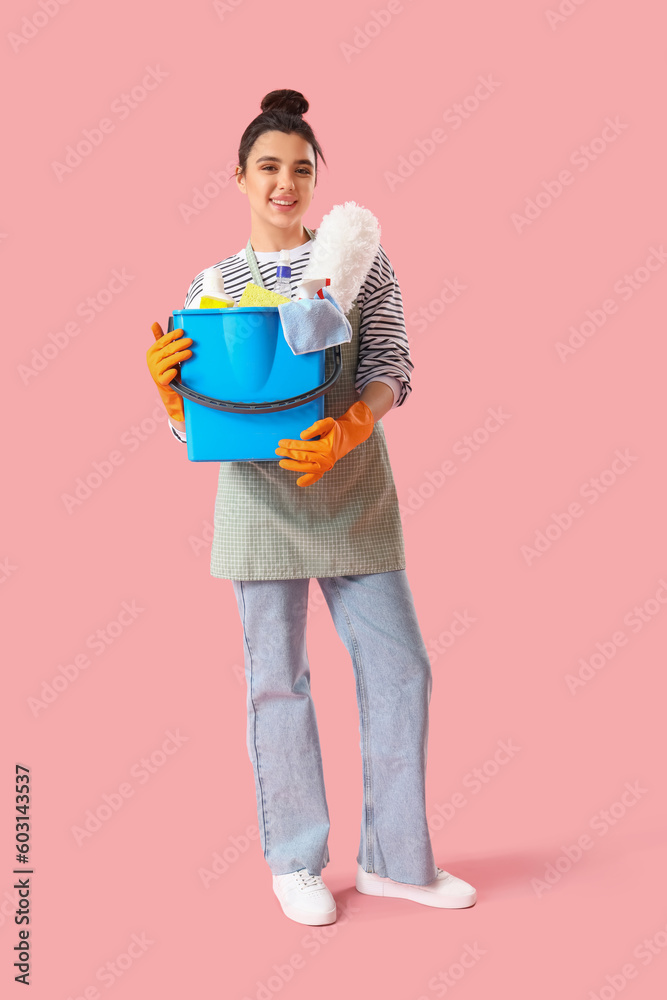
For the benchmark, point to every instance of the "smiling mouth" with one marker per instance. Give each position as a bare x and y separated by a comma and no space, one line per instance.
281,203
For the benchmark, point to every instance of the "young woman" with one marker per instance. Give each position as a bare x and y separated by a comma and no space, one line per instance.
337,521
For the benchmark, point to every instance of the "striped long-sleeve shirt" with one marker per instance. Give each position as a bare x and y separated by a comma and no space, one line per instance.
384,354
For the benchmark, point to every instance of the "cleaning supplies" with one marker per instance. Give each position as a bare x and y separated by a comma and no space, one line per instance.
255,295
212,302
212,295
313,287
242,361
284,275
314,325
348,240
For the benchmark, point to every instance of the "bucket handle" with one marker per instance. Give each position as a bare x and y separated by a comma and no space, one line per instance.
273,406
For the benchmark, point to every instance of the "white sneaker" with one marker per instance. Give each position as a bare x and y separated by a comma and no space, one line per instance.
445,890
304,897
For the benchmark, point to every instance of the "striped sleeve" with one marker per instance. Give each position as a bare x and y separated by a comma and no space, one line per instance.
178,434
194,289
383,340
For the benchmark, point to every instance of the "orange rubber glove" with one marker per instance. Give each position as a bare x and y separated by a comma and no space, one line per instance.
338,437
167,351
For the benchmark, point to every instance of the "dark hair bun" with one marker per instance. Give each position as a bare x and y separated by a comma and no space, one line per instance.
290,101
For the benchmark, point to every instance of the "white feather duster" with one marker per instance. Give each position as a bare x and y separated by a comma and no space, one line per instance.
344,249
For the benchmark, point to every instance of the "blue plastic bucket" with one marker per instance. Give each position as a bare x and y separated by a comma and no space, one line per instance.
243,389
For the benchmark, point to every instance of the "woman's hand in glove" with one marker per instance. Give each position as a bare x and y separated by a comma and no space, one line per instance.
168,350
337,438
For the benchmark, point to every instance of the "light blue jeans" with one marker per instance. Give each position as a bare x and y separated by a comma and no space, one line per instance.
374,615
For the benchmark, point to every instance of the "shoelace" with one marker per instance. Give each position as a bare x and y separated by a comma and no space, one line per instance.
309,879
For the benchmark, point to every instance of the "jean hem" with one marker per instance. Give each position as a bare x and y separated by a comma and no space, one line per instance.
299,869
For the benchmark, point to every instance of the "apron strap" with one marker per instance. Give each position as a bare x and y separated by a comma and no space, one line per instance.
252,260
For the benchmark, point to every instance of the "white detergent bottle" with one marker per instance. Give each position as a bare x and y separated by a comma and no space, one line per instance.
213,291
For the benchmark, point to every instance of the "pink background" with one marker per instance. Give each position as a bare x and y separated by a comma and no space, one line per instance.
143,535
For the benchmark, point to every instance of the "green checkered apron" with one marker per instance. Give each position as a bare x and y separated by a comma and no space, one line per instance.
348,522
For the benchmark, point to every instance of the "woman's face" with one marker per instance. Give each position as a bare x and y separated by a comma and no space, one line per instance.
280,167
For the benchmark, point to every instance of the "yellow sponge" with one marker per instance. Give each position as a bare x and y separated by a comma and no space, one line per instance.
213,302
253,295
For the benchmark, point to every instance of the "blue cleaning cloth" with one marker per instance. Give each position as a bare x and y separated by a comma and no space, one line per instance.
314,324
